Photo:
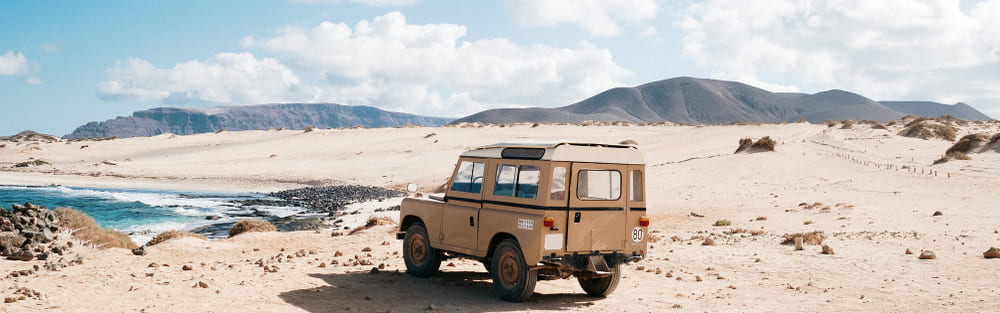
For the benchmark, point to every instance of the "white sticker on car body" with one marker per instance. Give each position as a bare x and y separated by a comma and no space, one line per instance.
637,234
526,224
553,242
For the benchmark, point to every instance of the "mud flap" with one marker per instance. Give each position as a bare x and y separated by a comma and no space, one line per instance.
598,265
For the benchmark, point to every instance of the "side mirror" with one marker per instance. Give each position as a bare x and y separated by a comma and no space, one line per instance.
411,188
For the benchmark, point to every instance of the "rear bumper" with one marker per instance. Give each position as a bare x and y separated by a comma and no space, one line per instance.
581,262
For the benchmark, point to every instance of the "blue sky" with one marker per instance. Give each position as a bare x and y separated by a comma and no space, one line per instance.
64,63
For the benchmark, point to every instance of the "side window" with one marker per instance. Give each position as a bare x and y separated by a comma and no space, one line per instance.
506,174
469,177
527,182
595,185
514,181
558,190
637,186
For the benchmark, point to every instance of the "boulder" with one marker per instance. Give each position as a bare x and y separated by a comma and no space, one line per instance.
23,255
992,253
927,255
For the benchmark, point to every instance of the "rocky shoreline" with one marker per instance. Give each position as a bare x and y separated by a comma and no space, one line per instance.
326,207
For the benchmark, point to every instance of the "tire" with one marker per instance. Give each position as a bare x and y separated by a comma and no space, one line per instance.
421,259
512,279
603,286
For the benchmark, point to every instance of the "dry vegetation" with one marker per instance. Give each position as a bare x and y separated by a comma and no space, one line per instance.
847,124
813,238
172,234
927,129
764,144
973,143
750,232
245,226
722,222
85,228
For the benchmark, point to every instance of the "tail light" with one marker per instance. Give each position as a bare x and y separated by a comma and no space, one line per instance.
548,222
644,221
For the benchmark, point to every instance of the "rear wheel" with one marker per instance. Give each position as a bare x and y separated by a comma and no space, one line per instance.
603,286
512,279
421,259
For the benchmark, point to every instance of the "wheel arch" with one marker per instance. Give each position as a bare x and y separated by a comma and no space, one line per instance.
408,221
497,238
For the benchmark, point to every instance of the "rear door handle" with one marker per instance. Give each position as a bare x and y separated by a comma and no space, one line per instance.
472,222
576,217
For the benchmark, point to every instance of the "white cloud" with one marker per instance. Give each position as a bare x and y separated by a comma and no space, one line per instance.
648,33
374,3
894,49
428,69
600,18
13,64
34,80
226,78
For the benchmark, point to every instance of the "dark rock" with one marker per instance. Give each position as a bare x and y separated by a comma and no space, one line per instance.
186,267
23,255
42,256
139,251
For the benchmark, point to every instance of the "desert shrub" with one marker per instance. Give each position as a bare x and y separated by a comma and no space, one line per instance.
831,123
628,142
764,144
722,222
245,226
948,118
372,222
813,238
995,139
878,125
953,155
891,123
751,232
172,234
308,129
847,124
85,228
745,144
968,143
928,130
802,120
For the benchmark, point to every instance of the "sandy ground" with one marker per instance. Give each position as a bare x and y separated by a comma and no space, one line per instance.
877,193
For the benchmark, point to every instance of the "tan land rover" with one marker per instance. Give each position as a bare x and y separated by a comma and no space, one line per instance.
534,211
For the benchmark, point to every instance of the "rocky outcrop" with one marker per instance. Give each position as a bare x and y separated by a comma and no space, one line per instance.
182,121
28,232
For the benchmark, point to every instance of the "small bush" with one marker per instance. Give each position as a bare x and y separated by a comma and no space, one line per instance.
954,155
308,128
813,238
878,125
745,231
722,222
628,142
967,143
245,226
847,124
831,123
85,228
928,130
172,234
764,144
802,120
745,144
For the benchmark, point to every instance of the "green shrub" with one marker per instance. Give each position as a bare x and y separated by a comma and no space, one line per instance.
723,222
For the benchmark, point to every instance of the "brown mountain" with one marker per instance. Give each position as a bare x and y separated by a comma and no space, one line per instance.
709,101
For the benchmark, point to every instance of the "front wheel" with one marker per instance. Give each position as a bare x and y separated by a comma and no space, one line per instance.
421,259
512,279
603,286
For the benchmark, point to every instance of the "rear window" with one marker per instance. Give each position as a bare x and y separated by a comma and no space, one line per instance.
517,181
598,185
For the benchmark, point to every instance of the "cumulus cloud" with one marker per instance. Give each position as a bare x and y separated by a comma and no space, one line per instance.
894,49
13,64
429,69
600,18
226,78
375,3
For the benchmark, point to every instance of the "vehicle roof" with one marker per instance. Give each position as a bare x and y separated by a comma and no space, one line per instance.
566,151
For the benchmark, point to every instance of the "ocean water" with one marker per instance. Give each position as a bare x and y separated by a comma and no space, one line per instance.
145,213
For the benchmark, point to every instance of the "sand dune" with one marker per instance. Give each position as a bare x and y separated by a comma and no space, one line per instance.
870,191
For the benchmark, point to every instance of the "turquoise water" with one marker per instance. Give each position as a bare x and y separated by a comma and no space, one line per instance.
143,213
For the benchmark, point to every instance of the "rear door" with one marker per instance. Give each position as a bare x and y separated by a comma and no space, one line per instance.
597,215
